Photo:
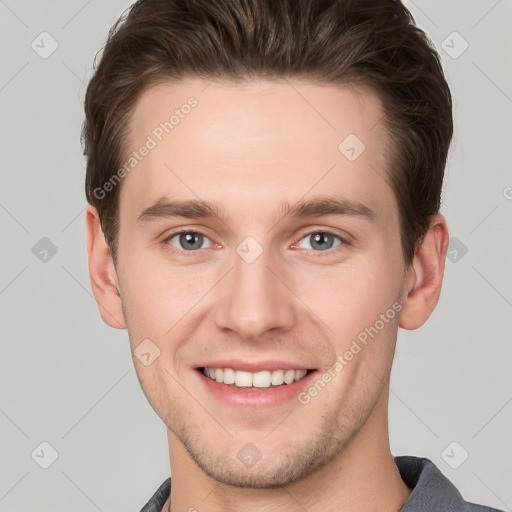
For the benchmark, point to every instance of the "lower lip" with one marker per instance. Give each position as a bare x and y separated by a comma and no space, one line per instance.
263,398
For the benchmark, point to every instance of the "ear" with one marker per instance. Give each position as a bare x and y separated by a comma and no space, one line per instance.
425,275
102,272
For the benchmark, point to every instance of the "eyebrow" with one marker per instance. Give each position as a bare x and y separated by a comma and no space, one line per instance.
187,209
201,209
326,206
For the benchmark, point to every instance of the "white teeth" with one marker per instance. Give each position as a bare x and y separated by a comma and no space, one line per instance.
277,377
263,379
229,376
243,379
289,376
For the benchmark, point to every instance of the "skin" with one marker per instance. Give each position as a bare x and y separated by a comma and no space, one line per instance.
253,147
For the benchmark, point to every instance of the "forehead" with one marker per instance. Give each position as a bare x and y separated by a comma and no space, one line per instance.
223,141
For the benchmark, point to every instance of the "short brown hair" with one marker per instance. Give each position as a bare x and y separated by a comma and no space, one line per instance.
372,43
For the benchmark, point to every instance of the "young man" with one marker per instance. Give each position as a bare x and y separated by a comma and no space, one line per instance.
264,181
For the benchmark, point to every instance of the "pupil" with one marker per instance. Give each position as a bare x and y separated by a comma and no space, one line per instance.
322,241
191,240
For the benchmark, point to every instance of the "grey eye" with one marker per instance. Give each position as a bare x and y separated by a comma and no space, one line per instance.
321,241
188,241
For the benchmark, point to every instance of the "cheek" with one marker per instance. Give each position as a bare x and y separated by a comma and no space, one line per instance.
350,298
156,295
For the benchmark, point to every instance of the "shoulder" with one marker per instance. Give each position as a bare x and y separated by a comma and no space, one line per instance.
431,490
158,499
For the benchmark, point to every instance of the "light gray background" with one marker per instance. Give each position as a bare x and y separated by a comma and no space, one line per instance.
68,379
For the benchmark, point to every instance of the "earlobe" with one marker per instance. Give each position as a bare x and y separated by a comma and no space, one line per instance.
102,273
425,275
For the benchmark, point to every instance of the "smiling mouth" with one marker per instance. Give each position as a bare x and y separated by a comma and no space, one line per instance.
253,380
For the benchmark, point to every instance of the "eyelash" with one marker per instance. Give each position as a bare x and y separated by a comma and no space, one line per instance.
328,252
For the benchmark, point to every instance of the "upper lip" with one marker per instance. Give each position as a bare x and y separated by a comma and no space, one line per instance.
253,366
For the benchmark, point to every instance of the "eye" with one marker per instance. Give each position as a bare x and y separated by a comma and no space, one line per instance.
320,241
189,241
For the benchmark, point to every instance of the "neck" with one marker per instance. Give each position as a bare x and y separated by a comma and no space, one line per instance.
362,477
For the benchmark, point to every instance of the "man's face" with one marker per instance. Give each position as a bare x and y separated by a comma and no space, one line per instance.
254,283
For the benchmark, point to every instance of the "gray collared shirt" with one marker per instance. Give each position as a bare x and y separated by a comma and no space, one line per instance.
431,490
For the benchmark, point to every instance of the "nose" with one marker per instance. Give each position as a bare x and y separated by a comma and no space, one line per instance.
254,299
